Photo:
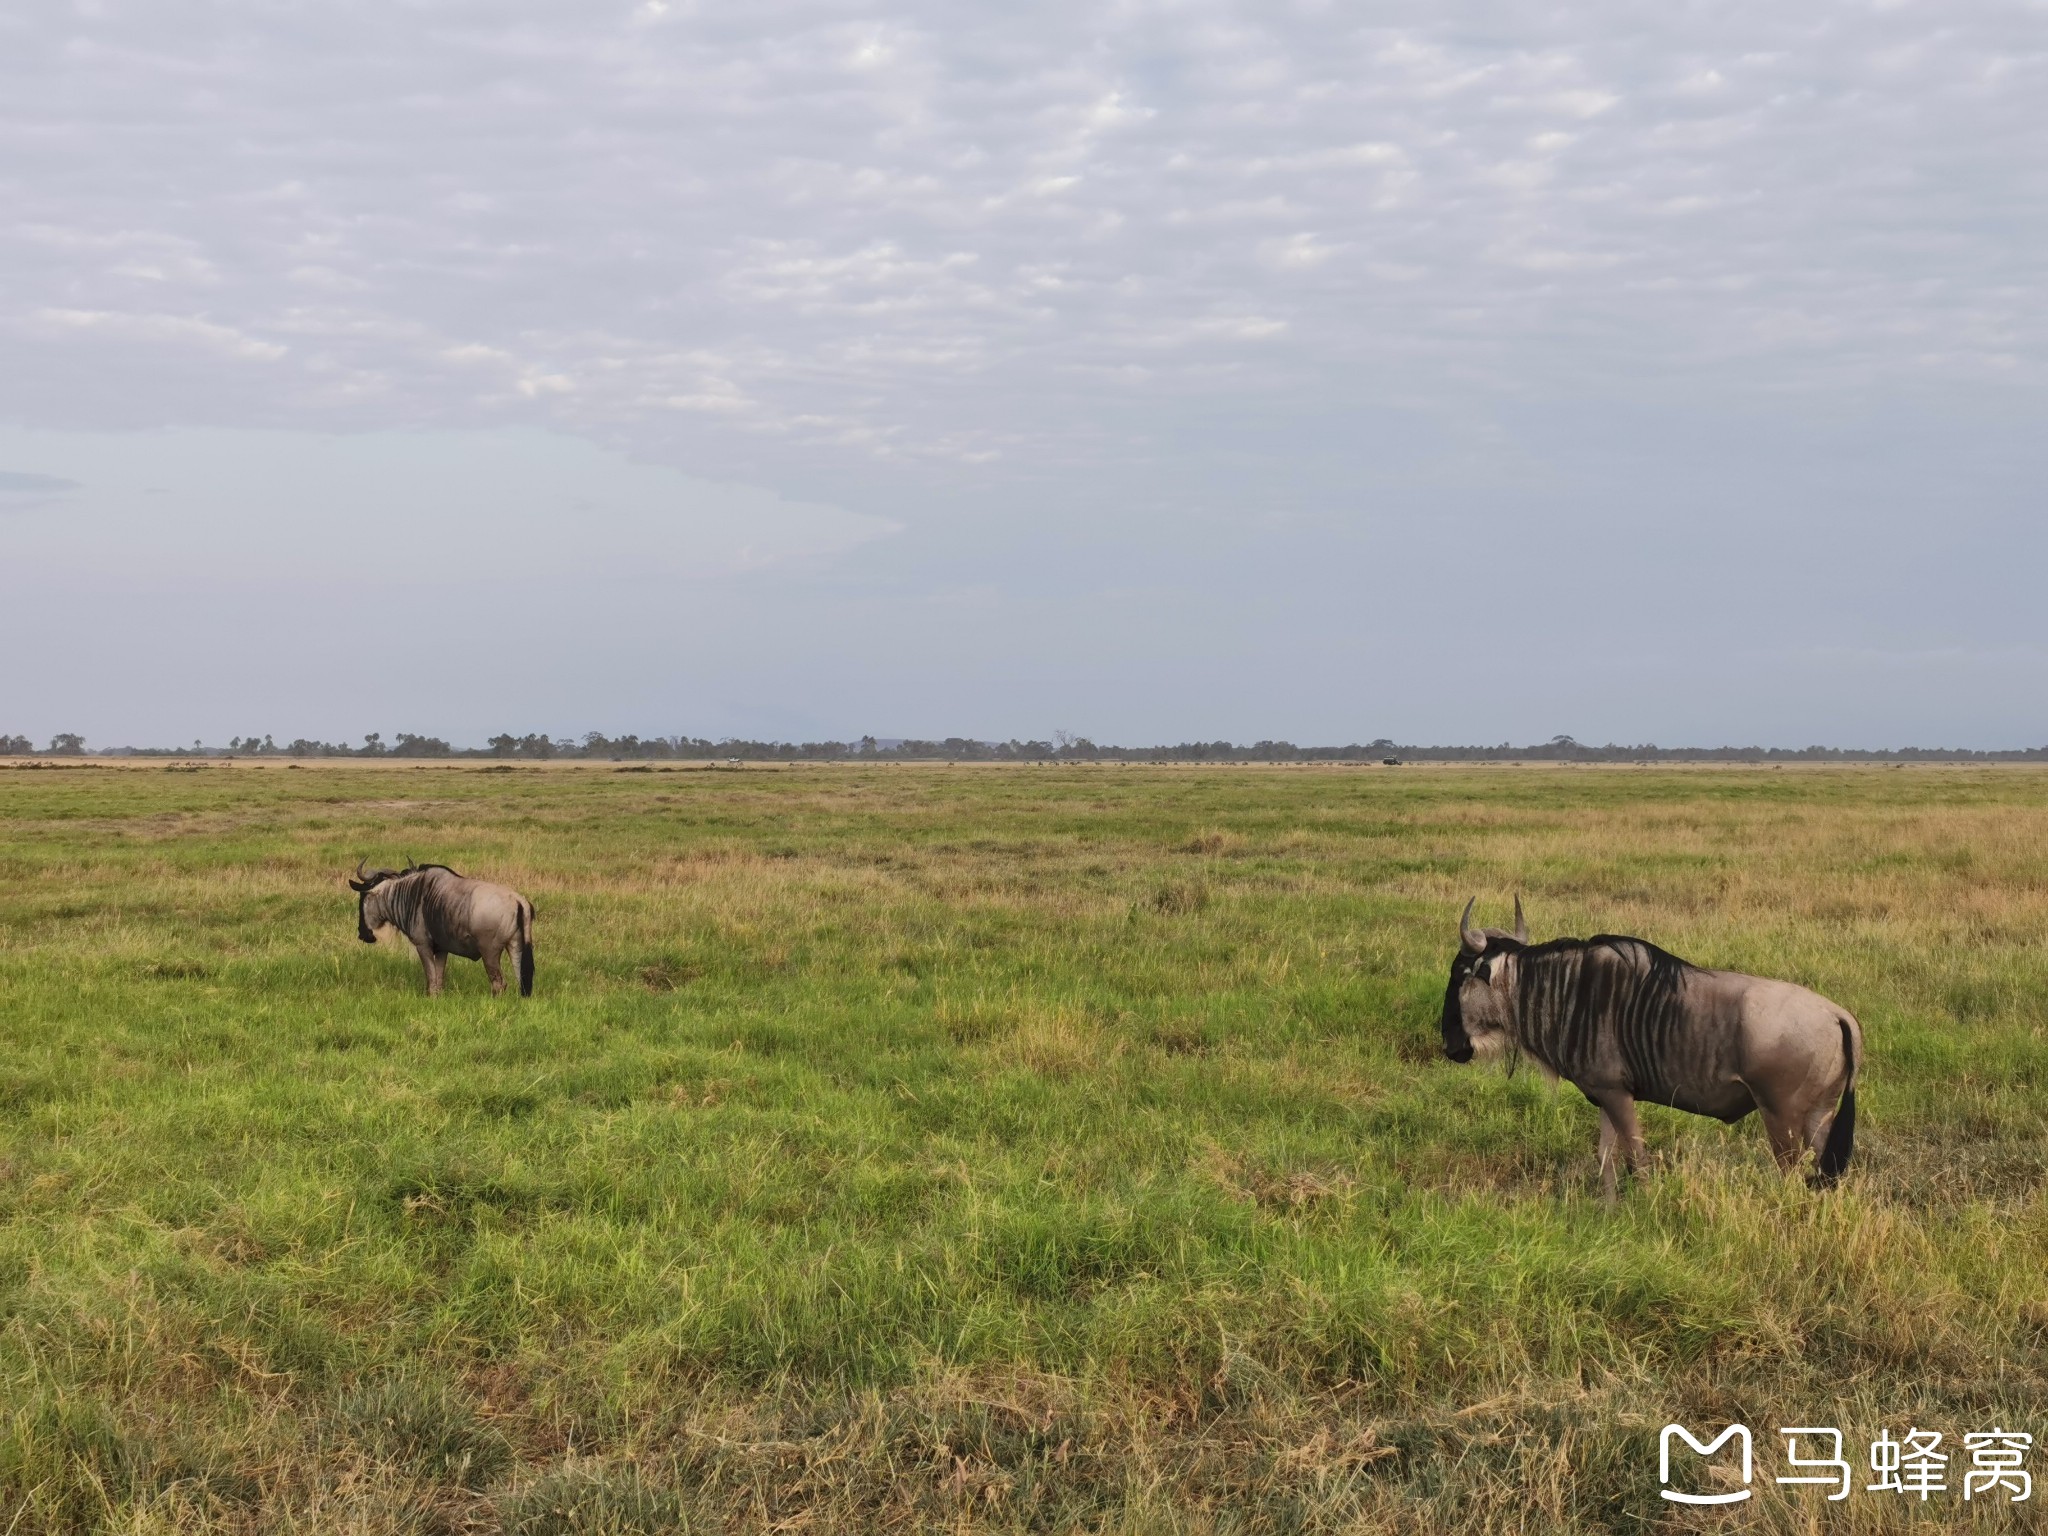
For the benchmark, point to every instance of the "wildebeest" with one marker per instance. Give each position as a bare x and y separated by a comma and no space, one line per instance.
445,914
1621,1020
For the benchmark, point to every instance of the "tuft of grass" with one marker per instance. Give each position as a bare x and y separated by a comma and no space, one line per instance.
1178,898
594,1501
425,1428
1213,840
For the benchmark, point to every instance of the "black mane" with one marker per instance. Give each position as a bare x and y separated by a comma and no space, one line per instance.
377,877
1575,994
405,901
402,904
1658,957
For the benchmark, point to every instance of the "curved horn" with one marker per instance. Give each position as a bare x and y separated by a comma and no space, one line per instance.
1469,936
1521,924
359,883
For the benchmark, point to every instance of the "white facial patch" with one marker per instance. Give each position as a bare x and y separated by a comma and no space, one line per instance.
1483,1009
1490,1046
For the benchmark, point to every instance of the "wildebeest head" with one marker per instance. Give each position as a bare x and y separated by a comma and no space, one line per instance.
370,911
1478,1008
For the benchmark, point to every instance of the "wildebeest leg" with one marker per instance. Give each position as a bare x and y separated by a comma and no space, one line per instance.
1618,1126
436,967
1820,1120
1783,1129
1813,1119
494,969
1607,1157
1781,1124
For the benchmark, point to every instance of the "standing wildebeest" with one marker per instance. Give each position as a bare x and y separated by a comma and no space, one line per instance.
445,914
1621,1020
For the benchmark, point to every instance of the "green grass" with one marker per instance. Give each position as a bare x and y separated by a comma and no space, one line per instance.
1020,1149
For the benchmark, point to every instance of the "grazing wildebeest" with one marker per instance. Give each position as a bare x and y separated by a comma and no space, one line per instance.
1621,1020
445,914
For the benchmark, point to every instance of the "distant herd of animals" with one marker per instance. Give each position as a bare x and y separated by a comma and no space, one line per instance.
1621,1020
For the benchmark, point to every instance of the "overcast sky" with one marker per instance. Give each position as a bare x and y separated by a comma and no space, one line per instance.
1445,371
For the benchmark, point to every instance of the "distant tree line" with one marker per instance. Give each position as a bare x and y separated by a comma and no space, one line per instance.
63,745
1064,747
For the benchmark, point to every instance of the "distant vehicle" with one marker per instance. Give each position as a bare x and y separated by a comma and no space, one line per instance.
1390,762
445,914
1621,1021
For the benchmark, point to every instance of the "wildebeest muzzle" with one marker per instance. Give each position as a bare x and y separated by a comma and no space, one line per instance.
1457,1044
362,885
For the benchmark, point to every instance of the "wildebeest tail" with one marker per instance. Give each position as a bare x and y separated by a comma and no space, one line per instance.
1841,1142
525,949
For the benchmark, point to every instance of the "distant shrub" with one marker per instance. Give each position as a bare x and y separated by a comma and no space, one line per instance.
1178,897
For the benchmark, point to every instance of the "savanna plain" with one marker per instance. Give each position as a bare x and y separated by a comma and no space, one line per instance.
982,1149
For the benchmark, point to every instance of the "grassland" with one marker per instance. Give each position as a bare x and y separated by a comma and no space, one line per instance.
1021,1149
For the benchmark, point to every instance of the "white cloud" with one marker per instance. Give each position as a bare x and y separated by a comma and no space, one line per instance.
310,513
21,492
533,385
175,329
793,186
1298,251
